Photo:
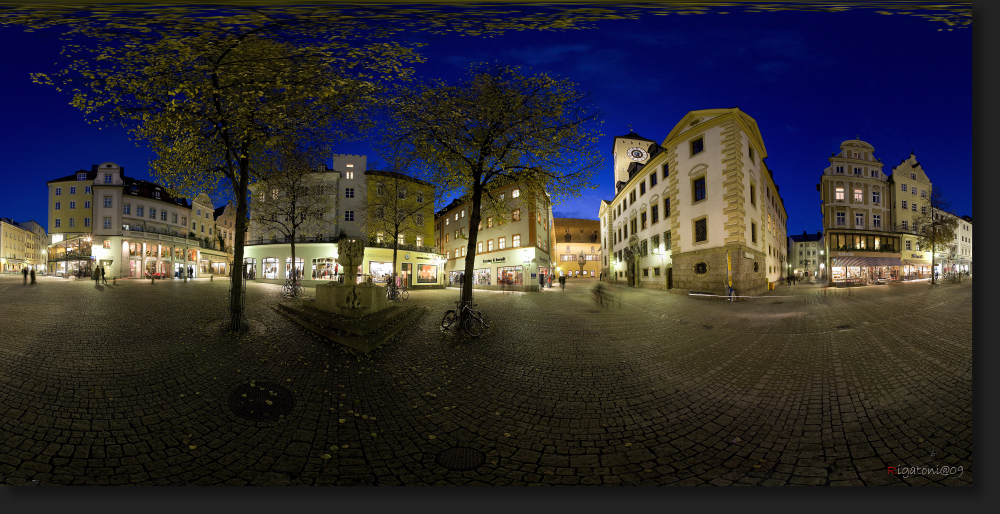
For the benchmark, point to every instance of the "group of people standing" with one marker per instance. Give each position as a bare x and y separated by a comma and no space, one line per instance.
25,272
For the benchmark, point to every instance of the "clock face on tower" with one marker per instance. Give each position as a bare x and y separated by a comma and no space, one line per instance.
637,154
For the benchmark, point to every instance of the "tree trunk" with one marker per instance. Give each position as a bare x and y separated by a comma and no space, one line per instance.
294,266
474,219
236,294
395,250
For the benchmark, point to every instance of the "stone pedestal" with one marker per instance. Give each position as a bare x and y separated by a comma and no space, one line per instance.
353,301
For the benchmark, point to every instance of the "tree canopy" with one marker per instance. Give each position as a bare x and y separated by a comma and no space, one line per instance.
499,128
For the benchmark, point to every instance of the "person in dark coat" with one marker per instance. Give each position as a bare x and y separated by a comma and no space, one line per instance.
25,272
32,276
104,280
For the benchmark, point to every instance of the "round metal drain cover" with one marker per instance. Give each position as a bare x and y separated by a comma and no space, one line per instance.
261,401
461,459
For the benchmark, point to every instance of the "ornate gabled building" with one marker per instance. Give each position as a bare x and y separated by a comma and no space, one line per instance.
577,248
132,228
861,243
696,210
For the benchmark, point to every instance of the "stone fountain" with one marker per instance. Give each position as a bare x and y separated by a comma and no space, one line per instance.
350,298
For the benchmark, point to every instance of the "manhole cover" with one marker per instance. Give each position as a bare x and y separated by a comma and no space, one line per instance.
842,327
461,459
261,401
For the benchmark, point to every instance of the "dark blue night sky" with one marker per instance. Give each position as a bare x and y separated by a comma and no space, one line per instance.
811,80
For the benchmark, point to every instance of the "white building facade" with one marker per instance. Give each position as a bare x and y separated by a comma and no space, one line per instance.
702,206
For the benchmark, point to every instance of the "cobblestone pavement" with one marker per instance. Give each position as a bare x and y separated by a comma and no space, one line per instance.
130,384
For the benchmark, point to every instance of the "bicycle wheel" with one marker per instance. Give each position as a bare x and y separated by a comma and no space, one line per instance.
482,318
405,294
449,319
296,291
473,325
286,290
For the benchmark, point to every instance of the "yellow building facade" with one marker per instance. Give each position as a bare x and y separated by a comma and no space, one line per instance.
575,237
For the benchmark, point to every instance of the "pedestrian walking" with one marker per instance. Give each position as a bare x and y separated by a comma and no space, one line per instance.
25,272
97,274
104,279
32,276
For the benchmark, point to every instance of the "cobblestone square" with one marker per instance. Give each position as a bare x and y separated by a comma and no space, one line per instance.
133,383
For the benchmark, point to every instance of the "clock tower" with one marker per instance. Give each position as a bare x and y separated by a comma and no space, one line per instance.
628,149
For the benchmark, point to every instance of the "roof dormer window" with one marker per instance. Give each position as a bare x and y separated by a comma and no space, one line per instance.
81,176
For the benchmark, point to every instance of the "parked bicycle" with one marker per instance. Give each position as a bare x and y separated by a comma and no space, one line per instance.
473,321
395,294
291,289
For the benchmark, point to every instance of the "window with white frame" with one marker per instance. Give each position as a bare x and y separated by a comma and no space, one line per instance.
841,218
107,222
913,191
58,205
72,205
86,222
86,204
349,192
923,193
81,176
420,240
86,190
152,213
913,206
348,215
516,241
876,197
107,178
503,243
58,191
903,204
58,222
905,224
107,201
876,221
859,196
72,222
72,190
857,171
838,194
489,245
902,187
840,169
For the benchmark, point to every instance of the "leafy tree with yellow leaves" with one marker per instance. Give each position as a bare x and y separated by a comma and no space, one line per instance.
210,88
499,128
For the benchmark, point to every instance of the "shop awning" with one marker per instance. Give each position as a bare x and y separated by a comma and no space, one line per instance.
864,261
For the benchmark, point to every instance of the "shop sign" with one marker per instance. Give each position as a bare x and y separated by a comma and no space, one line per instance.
498,259
917,256
845,254
748,255
406,256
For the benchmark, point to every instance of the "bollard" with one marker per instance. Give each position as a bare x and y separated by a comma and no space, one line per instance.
152,280
114,280
211,278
